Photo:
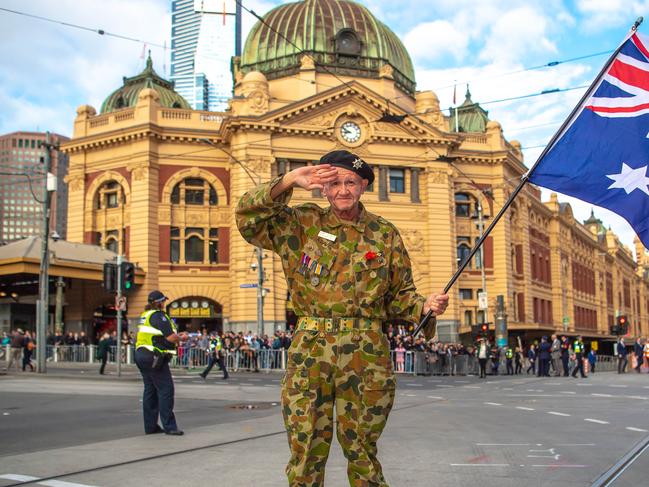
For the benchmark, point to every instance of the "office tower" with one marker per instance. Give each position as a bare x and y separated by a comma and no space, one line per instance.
22,185
202,45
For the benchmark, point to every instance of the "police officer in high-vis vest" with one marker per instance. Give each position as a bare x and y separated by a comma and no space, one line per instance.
156,344
578,349
509,355
215,347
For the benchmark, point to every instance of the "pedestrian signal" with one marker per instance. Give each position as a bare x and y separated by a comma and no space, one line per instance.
128,276
484,328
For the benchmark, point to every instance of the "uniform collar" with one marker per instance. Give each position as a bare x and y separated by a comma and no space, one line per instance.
332,220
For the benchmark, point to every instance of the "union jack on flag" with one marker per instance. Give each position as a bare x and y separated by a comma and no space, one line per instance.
624,90
602,154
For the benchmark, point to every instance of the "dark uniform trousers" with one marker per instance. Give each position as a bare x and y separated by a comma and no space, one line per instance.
579,367
158,398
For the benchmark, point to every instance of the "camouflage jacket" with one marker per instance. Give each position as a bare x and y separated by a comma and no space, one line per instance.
333,268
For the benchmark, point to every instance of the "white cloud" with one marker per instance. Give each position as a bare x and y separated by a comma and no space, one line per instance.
433,40
607,14
516,33
48,65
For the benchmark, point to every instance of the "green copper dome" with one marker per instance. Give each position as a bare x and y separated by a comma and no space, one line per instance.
471,117
342,37
126,96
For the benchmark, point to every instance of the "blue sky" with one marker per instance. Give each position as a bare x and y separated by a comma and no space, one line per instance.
47,70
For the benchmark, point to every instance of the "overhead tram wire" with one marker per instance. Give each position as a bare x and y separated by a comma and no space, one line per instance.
82,27
551,64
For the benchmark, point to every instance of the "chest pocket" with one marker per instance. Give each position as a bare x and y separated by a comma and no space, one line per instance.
371,276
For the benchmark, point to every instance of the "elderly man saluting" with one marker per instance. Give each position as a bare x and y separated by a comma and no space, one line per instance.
348,272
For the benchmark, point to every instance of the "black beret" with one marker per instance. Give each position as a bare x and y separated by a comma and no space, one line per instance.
347,160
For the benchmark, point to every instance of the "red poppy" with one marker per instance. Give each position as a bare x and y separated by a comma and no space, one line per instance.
371,255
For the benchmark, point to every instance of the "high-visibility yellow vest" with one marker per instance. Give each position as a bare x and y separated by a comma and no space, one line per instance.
215,344
509,353
146,333
578,347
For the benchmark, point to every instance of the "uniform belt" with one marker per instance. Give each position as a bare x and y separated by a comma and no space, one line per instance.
331,325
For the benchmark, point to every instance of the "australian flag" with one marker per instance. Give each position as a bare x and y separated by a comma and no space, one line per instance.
602,156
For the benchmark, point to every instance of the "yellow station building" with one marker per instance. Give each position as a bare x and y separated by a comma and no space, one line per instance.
158,182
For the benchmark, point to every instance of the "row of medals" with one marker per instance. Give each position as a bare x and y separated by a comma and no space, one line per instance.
314,268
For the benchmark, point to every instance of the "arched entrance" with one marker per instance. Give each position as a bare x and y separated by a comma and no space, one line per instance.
195,313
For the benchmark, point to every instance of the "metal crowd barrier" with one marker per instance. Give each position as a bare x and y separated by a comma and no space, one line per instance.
404,362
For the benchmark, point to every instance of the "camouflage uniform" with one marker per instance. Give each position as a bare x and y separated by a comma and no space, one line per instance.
342,291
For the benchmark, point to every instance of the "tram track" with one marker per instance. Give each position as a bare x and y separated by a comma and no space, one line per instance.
608,478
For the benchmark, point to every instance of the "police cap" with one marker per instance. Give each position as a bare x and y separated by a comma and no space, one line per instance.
347,160
157,297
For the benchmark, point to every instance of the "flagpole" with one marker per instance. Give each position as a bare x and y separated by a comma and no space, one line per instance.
526,176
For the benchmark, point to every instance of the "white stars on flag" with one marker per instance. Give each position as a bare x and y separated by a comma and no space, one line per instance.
629,179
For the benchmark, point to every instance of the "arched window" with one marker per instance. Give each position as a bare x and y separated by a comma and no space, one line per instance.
462,205
194,249
110,195
112,244
463,250
194,192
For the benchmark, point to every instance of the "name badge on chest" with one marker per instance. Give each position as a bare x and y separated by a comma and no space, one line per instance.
327,236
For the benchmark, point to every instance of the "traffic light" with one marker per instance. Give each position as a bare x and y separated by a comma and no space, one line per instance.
110,277
128,276
484,328
622,325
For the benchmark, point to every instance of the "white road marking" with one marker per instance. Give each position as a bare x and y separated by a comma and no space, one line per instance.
48,483
508,388
61,483
619,385
601,395
246,384
524,408
644,398
557,414
415,385
269,385
576,444
598,421
493,403
461,381
561,466
443,385
502,444
631,428
19,478
583,385
435,397
472,387
411,395
479,464
567,392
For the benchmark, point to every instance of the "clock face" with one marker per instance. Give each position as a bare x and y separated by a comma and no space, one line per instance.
350,132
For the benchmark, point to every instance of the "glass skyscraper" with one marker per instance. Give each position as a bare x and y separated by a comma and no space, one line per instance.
202,45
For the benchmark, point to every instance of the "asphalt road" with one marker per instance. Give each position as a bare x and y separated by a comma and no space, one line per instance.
452,431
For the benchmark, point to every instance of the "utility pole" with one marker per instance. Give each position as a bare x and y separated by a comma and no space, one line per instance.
118,299
58,313
43,277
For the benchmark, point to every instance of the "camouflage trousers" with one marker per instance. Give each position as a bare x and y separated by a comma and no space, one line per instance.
353,371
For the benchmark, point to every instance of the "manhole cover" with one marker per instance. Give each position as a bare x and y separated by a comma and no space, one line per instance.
254,405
